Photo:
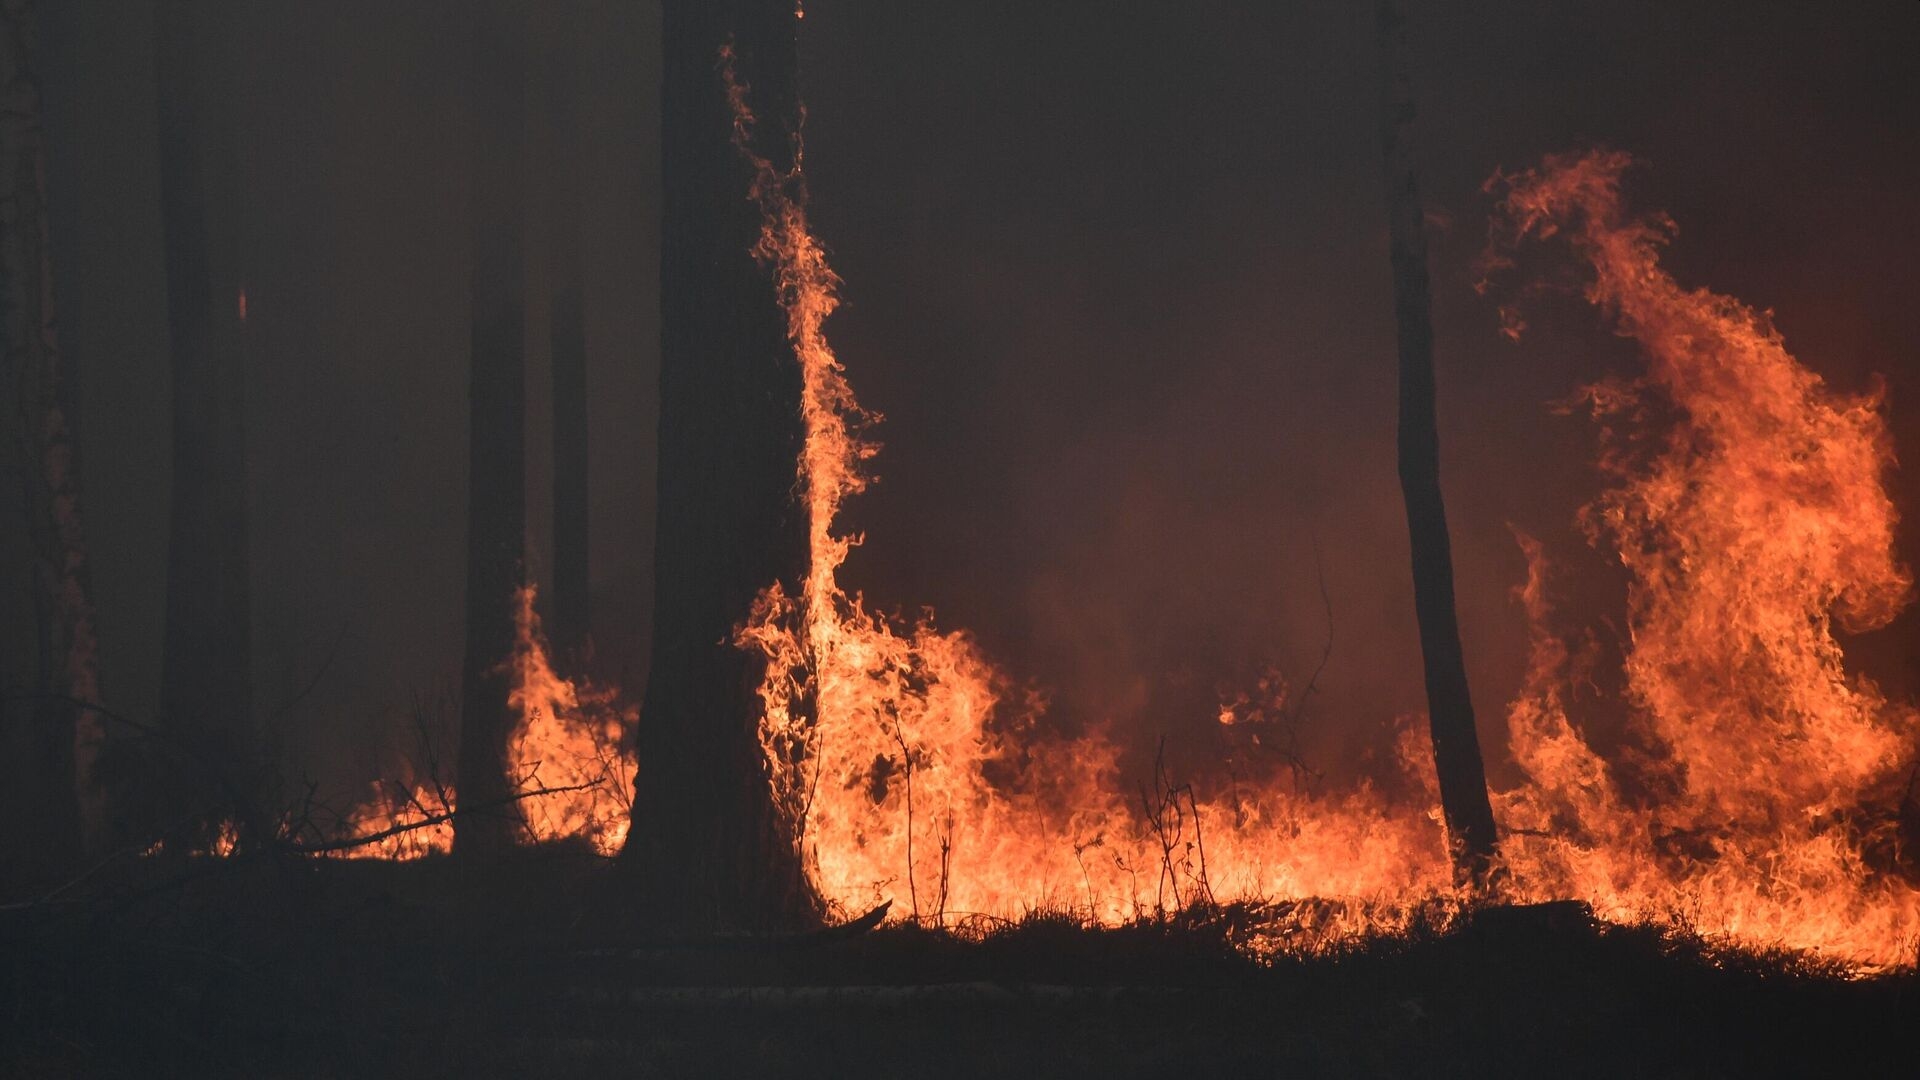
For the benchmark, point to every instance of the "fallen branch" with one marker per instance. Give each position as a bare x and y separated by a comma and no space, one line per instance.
427,822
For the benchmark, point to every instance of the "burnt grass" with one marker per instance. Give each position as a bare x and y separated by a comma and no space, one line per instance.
445,967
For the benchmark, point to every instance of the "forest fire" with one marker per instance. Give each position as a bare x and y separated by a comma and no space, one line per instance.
1767,780
908,760
911,764
1762,801
1404,608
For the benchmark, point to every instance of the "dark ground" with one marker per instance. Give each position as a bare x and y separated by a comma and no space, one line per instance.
357,969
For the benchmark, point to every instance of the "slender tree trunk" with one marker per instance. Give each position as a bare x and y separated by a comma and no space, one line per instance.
707,847
1456,746
569,627
496,479
206,673
63,801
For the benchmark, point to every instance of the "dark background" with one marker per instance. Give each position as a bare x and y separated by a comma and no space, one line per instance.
1116,274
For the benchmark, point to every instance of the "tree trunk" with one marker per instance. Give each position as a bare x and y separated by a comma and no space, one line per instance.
1456,746
205,682
60,802
568,629
707,848
496,479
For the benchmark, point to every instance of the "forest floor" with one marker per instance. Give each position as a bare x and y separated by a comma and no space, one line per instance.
329,968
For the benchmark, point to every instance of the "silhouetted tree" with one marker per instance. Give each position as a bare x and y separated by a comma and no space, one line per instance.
707,848
206,675
496,462
1456,746
54,803
569,626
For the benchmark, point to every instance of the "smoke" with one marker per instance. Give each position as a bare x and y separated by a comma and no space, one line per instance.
1119,285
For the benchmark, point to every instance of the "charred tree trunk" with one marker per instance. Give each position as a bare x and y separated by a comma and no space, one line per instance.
1456,746
707,848
569,627
58,799
496,479
206,682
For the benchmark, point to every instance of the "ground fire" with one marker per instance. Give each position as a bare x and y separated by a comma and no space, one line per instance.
908,762
911,764
568,755
542,681
1749,525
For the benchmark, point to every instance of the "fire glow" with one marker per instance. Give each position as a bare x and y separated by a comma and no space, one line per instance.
1745,528
912,768
910,764
569,755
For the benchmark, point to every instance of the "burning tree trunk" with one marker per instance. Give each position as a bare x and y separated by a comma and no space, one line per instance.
568,628
60,801
1456,746
496,479
206,686
707,847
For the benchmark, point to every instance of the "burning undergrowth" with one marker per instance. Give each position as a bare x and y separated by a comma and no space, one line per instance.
910,764
1747,525
570,758
1753,798
1744,526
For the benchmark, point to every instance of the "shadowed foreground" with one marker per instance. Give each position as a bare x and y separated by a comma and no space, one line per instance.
452,968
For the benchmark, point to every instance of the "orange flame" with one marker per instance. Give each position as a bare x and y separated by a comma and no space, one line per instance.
571,740
1745,528
410,808
568,755
908,764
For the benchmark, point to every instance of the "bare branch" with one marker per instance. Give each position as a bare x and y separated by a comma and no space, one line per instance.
428,821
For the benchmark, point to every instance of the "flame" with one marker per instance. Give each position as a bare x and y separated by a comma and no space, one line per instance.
568,755
909,764
1745,502
1746,527
571,740
414,815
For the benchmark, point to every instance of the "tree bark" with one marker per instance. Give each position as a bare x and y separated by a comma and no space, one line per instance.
1456,746
707,849
59,799
569,627
206,667
496,479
